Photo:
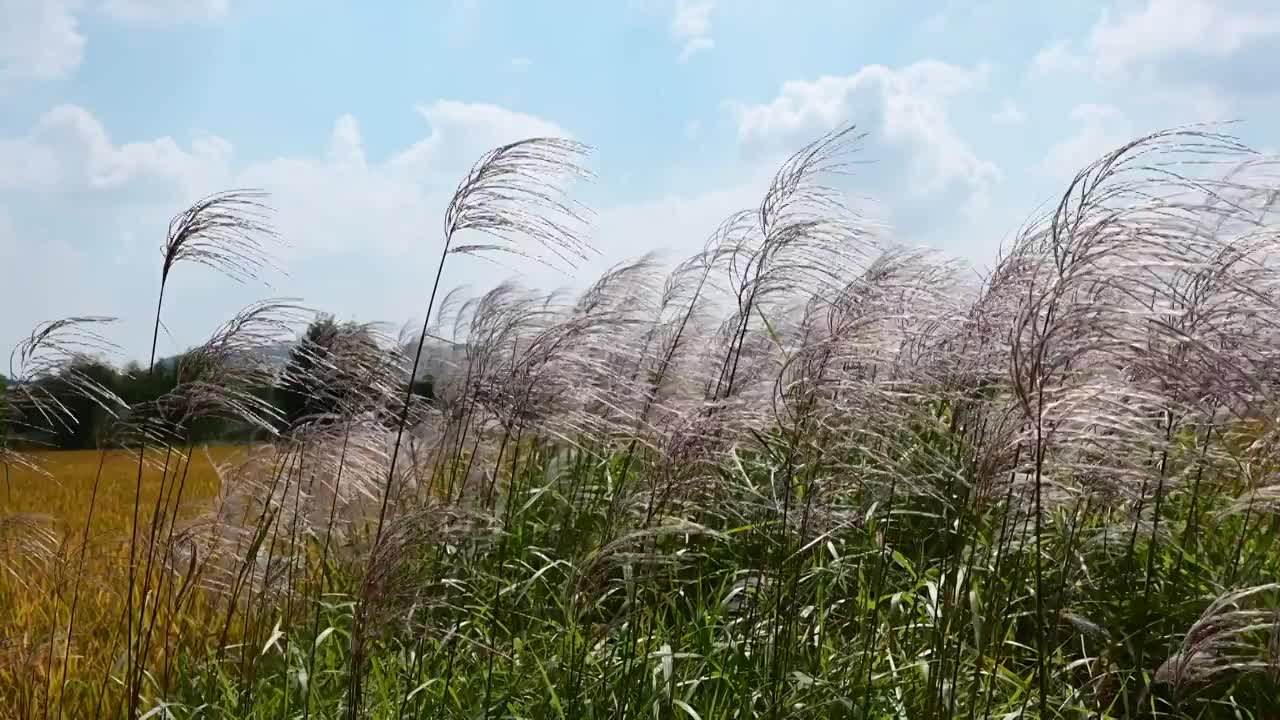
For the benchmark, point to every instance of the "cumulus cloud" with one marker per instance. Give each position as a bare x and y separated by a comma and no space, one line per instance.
39,40
1138,39
691,26
70,149
363,232
460,131
1169,27
351,222
905,112
1175,62
364,228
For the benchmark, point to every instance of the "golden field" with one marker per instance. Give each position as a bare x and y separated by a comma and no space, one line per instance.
63,492
48,563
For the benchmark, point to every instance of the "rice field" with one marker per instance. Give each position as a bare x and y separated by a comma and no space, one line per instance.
61,490
802,473
49,556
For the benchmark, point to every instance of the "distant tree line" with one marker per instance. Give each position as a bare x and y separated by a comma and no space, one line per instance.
289,394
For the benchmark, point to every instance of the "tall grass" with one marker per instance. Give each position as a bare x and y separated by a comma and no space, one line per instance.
803,473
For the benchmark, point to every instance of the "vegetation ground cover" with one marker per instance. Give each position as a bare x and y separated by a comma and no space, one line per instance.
801,473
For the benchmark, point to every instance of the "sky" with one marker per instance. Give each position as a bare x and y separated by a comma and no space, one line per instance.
359,119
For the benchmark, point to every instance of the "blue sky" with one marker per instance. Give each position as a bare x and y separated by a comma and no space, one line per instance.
360,117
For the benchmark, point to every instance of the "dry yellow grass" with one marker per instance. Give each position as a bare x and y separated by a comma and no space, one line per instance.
46,562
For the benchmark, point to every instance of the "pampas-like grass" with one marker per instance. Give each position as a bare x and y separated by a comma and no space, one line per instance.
800,473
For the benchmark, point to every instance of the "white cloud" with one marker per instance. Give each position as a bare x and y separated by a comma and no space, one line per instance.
691,26
166,11
342,213
39,40
905,110
1123,42
674,225
520,63
1101,128
346,147
461,131
1058,57
1167,63
340,201
1009,114
69,149
1166,27
365,231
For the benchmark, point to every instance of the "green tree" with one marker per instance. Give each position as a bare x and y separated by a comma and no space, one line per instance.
424,387
89,418
139,386
297,397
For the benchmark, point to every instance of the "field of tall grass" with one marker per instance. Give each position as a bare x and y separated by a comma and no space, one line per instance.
802,473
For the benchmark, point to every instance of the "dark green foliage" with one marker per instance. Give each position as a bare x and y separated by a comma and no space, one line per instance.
135,386
295,397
